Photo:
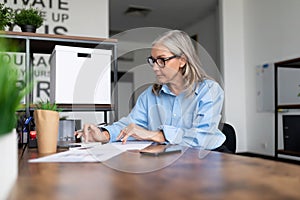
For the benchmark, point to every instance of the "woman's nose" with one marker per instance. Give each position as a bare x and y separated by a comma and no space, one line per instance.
155,67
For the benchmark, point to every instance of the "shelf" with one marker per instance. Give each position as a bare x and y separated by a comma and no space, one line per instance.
292,63
291,153
45,43
86,107
284,108
290,106
76,107
31,43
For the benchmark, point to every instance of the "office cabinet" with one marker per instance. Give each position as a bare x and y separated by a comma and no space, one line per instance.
30,43
291,133
287,108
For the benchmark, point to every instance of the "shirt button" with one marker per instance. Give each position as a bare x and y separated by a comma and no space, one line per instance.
174,115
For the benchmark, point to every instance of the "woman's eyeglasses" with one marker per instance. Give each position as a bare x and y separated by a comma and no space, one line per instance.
161,62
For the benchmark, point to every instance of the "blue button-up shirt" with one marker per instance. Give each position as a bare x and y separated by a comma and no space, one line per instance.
187,120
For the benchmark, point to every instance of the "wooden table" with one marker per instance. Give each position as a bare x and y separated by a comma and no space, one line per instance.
174,176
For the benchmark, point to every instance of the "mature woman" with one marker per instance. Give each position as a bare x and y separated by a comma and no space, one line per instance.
183,107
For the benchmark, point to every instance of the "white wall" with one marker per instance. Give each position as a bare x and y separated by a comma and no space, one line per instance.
233,63
137,42
272,32
90,18
69,17
207,31
255,32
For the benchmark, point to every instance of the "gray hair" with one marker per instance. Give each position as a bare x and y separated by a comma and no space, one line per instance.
179,43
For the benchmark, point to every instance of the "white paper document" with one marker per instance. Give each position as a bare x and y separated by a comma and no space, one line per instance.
92,153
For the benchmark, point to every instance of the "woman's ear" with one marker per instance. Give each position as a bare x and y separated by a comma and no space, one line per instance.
182,61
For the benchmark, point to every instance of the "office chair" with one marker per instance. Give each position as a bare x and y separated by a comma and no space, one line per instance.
229,146
135,94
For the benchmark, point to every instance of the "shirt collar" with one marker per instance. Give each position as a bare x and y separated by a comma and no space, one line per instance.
166,89
197,88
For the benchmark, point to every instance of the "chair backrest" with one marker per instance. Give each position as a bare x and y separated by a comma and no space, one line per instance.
136,93
229,132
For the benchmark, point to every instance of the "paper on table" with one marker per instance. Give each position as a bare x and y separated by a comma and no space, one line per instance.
99,153
131,145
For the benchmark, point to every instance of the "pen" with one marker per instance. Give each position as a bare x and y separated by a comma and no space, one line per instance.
74,145
98,126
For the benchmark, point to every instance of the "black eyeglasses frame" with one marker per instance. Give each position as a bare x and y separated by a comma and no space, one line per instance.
152,60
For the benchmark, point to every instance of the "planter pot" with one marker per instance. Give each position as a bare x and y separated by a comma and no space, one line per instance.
46,124
9,162
28,28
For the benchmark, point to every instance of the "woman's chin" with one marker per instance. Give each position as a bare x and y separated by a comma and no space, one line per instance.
161,80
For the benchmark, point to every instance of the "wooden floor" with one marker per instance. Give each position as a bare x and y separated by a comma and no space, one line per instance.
284,160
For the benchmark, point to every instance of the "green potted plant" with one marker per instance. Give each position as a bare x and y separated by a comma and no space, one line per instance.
46,105
10,101
29,19
46,117
6,16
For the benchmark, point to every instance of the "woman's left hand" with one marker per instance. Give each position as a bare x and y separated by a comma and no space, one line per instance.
140,133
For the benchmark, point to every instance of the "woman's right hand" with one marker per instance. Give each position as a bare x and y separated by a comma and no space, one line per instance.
91,133
139,133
